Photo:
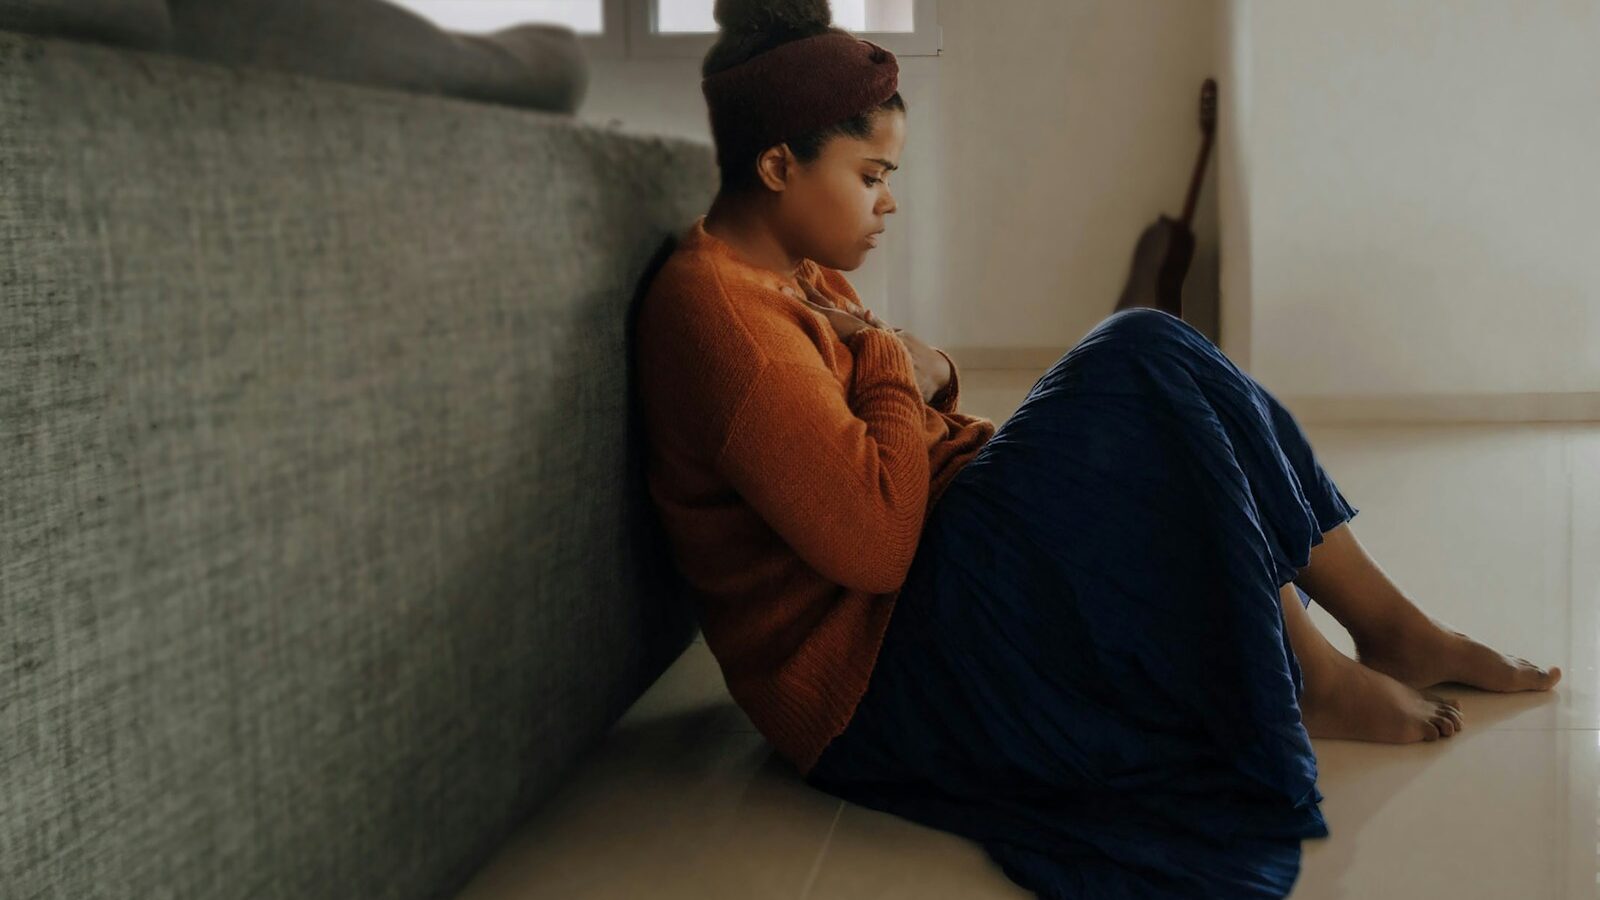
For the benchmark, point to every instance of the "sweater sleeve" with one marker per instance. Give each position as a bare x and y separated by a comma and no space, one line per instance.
945,399
843,479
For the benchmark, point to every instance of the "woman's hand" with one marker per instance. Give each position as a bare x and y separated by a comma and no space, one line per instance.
844,324
932,371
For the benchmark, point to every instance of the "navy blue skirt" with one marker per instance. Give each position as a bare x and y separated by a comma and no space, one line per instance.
1087,670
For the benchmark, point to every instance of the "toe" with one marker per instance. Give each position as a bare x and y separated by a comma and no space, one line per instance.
1446,705
1533,677
1454,715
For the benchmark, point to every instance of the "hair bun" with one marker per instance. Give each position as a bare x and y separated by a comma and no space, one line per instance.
772,15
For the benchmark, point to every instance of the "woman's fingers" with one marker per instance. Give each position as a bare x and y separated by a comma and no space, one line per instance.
812,293
845,321
873,320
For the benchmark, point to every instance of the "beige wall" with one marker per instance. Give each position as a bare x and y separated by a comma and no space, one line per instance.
1039,144
1065,128
1413,200
1233,207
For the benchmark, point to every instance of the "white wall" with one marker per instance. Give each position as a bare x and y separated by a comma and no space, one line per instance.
1411,195
1063,129
1039,144
1234,102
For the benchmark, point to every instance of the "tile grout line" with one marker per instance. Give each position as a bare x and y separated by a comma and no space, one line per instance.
1535,727
816,864
1571,567
1580,625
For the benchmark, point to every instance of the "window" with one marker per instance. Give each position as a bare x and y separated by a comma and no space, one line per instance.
686,28
680,16
619,29
583,16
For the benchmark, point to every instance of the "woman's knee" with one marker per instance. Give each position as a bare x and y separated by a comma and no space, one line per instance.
1126,334
1144,324
1176,341
1146,320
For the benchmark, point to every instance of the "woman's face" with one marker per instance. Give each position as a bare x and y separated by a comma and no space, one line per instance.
828,209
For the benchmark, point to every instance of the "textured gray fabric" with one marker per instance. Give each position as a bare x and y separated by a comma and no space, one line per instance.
324,546
377,43
126,23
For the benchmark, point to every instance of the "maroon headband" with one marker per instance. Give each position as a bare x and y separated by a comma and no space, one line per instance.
796,87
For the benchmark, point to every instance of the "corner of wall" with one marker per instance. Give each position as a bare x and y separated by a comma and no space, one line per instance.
1235,301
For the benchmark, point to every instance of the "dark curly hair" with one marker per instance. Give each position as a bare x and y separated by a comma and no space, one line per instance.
751,27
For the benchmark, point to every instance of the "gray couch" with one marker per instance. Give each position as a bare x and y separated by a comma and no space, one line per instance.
324,548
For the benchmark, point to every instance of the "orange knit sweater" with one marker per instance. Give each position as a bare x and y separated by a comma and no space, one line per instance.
793,473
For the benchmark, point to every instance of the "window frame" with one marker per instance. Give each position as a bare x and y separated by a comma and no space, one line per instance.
628,34
612,42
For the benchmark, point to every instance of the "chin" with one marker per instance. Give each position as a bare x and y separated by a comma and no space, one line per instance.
850,263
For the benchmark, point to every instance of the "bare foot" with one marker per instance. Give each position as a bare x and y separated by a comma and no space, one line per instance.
1427,652
1345,699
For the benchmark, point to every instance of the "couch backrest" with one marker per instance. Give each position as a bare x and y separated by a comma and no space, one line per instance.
324,546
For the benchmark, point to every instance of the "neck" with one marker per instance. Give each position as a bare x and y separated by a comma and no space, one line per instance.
742,225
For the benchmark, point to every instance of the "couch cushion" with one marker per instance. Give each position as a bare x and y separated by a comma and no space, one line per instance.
130,23
325,548
376,43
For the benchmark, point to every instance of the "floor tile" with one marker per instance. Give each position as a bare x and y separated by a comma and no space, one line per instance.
1481,814
718,816
691,692
877,856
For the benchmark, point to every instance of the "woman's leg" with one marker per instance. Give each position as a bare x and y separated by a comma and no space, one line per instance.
1348,583
1394,636
1344,699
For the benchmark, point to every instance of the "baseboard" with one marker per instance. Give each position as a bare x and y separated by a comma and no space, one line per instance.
1575,406
1572,406
1034,359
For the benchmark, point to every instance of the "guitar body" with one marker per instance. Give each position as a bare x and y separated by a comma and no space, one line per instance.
1175,267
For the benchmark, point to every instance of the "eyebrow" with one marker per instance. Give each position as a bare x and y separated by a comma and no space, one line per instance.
883,162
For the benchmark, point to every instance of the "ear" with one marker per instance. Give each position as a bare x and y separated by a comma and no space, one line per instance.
774,166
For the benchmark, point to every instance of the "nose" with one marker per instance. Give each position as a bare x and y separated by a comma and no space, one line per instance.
888,206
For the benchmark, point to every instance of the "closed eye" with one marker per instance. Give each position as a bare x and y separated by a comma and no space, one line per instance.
870,180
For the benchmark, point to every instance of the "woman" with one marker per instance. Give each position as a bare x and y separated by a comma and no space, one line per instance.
1079,639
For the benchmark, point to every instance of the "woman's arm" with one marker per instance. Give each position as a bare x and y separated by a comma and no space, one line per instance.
933,368
842,478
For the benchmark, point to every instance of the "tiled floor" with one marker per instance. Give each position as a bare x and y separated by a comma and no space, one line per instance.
1491,528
